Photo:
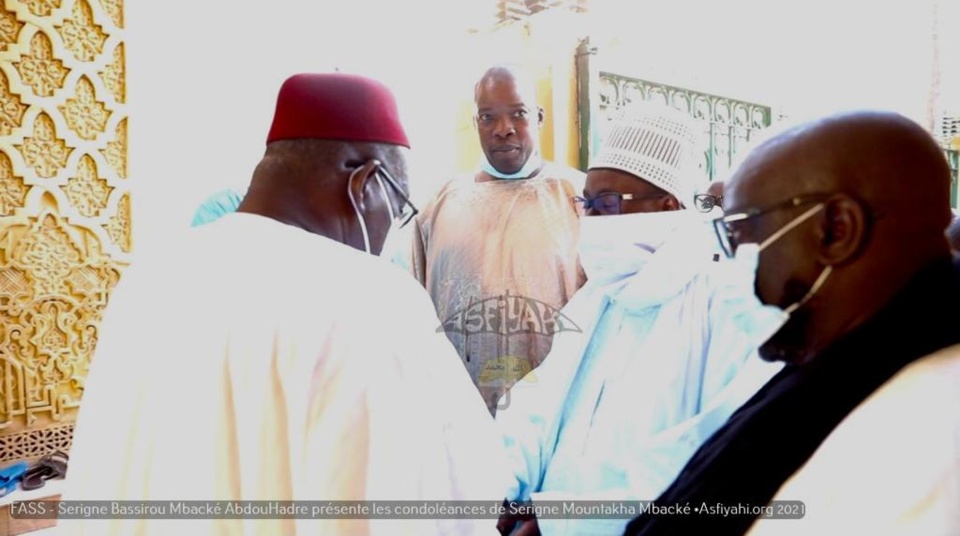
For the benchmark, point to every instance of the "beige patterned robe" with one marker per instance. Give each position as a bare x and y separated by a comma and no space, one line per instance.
499,258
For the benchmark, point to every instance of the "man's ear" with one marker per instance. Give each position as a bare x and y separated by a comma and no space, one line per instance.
845,230
360,178
539,116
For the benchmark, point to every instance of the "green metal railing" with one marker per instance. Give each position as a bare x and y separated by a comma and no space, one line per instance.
953,158
728,124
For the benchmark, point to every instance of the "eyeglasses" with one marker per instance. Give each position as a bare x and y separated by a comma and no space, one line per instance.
408,212
706,202
611,203
727,236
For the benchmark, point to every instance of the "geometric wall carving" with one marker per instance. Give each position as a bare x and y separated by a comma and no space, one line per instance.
65,211
33,444
44,151
114,77
87,192
9,28
42,8
40,67
116,150
114,9
13,191
81,34
118,225
85,115
11,109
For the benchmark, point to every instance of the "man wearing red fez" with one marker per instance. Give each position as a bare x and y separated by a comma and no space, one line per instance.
268,356
497,250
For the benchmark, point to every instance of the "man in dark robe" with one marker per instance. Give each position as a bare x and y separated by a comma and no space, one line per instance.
862,423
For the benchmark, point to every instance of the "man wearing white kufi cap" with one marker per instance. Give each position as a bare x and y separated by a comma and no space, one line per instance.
667,344
648,162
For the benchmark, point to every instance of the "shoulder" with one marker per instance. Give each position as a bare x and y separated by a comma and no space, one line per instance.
904,424
904,431
458,183
927,384
572,178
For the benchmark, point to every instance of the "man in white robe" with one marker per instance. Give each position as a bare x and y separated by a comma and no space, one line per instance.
263,357
663,358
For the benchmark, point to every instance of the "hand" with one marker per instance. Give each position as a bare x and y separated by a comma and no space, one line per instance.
508,522
528,528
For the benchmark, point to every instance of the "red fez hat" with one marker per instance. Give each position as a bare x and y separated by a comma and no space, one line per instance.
336,106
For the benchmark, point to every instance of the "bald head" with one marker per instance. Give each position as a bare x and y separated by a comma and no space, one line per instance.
886,160
508,118
518,77
867,195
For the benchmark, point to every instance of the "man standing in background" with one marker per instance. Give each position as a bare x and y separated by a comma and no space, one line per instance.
497,251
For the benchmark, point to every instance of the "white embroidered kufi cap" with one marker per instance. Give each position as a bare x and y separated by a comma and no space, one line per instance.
656,143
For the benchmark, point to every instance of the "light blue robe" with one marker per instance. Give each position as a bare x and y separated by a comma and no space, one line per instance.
216,206
615,412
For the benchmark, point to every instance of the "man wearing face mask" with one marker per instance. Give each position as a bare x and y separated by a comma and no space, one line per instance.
497,250
842,220
269,356
665,353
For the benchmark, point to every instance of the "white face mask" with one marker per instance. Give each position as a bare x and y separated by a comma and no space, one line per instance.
397,243
712,214
362,220
533,164
758,320
615,247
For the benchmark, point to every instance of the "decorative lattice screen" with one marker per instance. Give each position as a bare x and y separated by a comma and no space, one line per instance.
64,208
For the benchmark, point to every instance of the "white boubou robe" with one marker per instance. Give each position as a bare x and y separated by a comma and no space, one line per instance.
891,468
256,361
616,410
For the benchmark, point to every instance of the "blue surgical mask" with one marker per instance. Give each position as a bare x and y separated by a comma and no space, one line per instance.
529,168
